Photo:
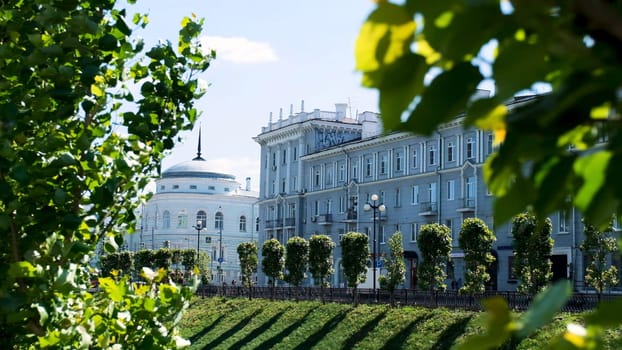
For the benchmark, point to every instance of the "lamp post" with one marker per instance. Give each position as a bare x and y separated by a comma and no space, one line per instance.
220,223
198,227
375,206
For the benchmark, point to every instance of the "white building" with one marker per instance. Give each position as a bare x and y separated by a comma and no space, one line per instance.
196,208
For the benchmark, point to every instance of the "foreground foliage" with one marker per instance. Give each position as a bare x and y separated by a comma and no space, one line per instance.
76,148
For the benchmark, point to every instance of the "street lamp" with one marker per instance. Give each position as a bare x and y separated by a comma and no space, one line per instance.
376,207
220,223
198,227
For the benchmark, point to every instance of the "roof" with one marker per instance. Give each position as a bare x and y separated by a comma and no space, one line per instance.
197,167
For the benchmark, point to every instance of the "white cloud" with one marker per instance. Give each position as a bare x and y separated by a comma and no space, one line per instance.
239,49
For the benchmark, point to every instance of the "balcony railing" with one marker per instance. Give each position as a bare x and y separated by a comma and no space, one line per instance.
325,219
351,215
468,204
428,208
290,222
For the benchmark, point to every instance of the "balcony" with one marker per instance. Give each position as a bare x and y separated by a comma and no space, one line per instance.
351,216
468,205
325,219
290,222
271,224
428,208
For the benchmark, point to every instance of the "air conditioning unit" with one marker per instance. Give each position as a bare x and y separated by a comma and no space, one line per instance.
313,218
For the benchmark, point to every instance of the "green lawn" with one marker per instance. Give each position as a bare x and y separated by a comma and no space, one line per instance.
223,323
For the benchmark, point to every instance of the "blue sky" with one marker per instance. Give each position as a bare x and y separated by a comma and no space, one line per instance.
270,54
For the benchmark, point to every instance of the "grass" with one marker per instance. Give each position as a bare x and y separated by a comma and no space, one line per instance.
222,323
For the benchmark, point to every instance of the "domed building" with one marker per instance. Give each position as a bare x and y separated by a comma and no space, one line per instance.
196,208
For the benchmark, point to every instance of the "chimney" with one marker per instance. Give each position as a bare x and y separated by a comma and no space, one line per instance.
248,184
341,111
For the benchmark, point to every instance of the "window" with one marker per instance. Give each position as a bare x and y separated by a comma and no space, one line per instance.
414,231
450,151
162,187
432,192
450,190
175,187
295,153
470,148
317,178
355,170
383,164
329,176
257,224
218,221
368,166
511,275
415,194
489,143
564,221
415,159
166,219
273,185
291,210
342,204
342,172
211,188
316,208
193,187
182,220
382,237
283,189
202,218
454,239
432,155
242,223
398,198
470,187
274,160
227,189
284,156
398,161
329,206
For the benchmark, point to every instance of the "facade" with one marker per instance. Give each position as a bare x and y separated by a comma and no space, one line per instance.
196,208
319,169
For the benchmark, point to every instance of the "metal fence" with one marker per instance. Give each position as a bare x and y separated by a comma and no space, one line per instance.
578,302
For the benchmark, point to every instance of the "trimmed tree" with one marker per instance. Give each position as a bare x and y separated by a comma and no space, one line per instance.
533,246
321,258
247,253
296,260
599,245
273,261
122,262
435,245
396,268
476,241
354,258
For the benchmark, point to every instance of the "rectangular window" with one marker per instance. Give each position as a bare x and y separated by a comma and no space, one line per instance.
316,208
283,182
398,198
470,148
329,206
415,159
414,231
317,178
450,151
564,221
415,194
175,187
295,153
451,190
329,176
432,192
432,155
284,156
355,170
470,187
383,164
368,167
193,187
382,238
342,204
398,161
342,172
489,143
211,188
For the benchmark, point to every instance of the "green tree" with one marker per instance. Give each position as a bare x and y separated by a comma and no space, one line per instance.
435,245
70,180
476,241
247,253
599,245
533,246
296,260
163,258
321,260
273,260
396,268
421,56
354,259
123,262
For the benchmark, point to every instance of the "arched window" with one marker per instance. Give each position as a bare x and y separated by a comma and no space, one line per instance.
202,218
242,223
166,219
218,220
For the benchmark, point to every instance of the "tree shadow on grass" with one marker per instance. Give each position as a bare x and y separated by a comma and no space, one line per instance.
258,331
270,343
240,325
451,333
399,339
314,338
363,331
205,330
